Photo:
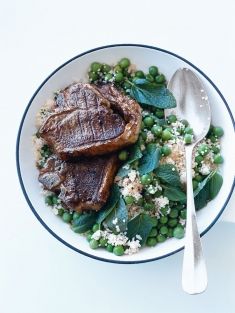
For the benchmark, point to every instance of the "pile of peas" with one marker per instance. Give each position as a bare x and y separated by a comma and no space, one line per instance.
120,74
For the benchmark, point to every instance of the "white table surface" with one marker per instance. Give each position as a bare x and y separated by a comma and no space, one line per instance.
37,273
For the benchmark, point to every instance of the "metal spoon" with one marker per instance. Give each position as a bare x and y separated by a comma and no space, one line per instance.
193,106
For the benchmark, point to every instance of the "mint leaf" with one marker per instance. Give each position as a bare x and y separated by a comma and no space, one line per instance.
150,160
110,204
215,184
140,225
84,222
174,194
117,220
148,93
168,174
207,189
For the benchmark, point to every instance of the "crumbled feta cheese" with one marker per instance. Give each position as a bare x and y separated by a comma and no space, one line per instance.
150,136
134,246
115,221
152,189
161,202
205,169
98,234
138,237
55,211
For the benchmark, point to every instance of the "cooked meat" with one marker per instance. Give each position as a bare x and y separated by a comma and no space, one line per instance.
83,185
90,121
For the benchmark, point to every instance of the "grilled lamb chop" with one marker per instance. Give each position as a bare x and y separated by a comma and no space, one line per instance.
90,121
83,185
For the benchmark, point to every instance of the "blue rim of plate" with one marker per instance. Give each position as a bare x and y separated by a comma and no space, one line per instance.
18,143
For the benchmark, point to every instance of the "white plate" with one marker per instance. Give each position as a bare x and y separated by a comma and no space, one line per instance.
75,70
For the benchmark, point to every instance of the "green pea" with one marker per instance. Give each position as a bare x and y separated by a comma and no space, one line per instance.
218,131
159,113
166,135
151,242
118,77
203,149
164,210
170,233
183,214
94,244
213,139
163,230
178,232
172,222
140,202
118,250
123,155
153,70
67,217
171,119
148,206
160,79
158,193
95,67
161,238
106,68
146,179
163,219
157,130
150,78
198,159
215,149
95,227
195,184
49,200
188,130
184,122
139,74
218,159
108,77
144,135
76,215
154,221
150,146
93,76
153,232
188,138
89,236
109,248
126,85
60,211
166,150
173,213
124,63
129,200
117,69
148,121
103,242
55,199
198,178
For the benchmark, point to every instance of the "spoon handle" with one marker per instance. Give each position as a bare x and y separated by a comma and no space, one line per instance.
194,274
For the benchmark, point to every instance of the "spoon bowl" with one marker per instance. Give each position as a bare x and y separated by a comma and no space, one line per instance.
192,102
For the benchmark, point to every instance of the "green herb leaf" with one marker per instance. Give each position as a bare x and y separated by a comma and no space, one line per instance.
110,204
207,189
84,222
117,220
140,225
202,184
174,193
168,174
215,184
150,160
148,93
